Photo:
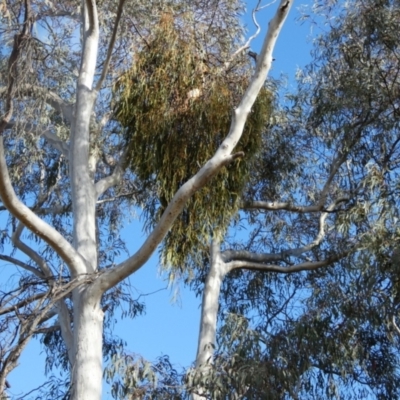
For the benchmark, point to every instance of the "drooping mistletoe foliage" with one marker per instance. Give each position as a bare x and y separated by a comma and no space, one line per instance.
176,104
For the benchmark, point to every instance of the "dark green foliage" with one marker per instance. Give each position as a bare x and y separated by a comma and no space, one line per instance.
176,104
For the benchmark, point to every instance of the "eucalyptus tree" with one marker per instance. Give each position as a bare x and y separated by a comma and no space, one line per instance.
64,159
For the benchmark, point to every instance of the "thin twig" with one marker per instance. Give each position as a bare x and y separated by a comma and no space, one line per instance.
111,45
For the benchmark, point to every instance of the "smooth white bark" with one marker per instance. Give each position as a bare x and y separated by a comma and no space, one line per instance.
88,317
34,223
87,370
209,307
209,313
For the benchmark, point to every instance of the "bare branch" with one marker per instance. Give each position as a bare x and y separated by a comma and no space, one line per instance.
111,45
29,251
22,265
111,199
112,180
287,206
321,232
248,256
252,37
39,227
22,303
306,266
280,206
266,5
243,255
62,310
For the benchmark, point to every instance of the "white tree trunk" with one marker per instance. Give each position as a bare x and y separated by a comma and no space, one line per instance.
209,314
209,309
87,368
87,371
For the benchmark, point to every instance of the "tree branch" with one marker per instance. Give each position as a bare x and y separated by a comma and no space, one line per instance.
287,206
252,37
111,45
280,206
39,227
243,255
51,98
306,266
23,265
30,252
62,310
21,303
112,180
321,233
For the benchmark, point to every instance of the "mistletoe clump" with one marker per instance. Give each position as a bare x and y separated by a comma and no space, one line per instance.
175,104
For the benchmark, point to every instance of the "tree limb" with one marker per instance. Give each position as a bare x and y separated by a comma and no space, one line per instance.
243,255
22,265
113,179
30,252
280,206
63,312
306,266
51,98
111,45
258,30
21,303
39,227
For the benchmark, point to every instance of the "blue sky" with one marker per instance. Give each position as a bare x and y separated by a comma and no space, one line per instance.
171,326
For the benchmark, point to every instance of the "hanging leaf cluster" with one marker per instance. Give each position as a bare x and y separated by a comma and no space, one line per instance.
176,105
